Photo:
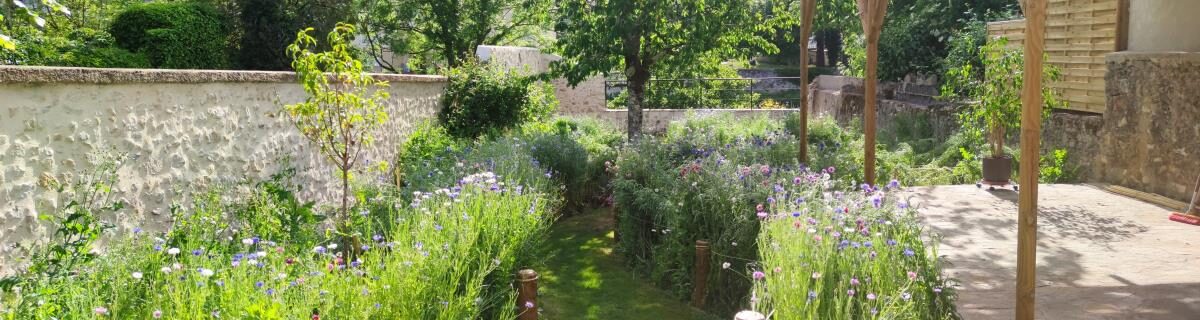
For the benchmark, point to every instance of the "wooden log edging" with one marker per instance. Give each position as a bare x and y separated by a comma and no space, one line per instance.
700,274
527,295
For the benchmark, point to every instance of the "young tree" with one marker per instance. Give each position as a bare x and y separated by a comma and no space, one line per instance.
449,30
344,103
637,37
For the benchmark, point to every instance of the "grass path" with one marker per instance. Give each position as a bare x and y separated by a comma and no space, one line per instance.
584,279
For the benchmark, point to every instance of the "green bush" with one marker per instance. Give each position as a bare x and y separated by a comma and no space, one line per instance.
81,47
180,35
488,100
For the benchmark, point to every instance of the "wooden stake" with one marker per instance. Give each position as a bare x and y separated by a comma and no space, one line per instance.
1194,208
1031,137
700,274
527,295
871,12
805,31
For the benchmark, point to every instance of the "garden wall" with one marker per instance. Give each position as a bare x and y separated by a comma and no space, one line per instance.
183,130
586,99
1152,137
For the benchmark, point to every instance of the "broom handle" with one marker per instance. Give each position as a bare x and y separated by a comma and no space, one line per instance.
1195,206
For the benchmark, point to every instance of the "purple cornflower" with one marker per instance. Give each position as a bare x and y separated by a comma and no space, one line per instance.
377,238
891,242
854,282
870,296
258,284
908,252
197,252
759,275
877,202
850,292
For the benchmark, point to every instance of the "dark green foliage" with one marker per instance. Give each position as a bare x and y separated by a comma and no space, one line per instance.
176,35
267,27
485,99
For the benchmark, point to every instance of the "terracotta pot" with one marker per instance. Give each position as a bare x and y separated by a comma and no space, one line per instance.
997,169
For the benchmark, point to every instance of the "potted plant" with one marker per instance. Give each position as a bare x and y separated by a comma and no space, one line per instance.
992,110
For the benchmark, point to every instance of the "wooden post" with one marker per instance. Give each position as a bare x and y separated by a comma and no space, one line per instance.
749,315
700,274
527,295
805,31
871,12
1031,137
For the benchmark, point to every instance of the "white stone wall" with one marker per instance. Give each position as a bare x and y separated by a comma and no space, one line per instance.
1164,25
184,131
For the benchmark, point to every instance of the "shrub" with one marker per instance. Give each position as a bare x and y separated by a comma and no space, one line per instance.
179,35
485,99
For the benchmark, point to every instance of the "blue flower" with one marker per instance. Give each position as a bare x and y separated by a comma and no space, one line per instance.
197,252
891,242
908,252
258,284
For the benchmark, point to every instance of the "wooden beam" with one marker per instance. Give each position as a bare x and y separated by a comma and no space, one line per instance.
1122,42
1031,136
808,6
872,13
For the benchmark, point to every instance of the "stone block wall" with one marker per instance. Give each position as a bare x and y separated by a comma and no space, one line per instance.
1151,140
183,131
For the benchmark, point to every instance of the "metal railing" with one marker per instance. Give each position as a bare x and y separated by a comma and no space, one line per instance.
710,93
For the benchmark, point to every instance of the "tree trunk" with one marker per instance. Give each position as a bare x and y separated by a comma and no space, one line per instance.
997,133
637,97
835,47
821,43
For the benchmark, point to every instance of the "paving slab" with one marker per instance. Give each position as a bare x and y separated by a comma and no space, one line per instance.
1100,255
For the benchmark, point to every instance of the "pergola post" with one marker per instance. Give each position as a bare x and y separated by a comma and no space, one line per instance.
1031,137
871,12
806,20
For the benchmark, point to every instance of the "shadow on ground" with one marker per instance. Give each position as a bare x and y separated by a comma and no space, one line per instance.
584,279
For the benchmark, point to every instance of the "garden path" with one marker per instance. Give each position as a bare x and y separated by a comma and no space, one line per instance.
1100,255
584,279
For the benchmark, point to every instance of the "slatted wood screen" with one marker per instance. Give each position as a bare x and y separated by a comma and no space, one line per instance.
1078,35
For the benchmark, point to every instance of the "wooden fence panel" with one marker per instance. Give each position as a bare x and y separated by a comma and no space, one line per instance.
1078,35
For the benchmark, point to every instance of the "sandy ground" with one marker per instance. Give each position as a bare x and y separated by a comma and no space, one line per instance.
1100,255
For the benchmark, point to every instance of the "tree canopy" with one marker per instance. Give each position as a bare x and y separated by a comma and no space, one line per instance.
446,32
638,37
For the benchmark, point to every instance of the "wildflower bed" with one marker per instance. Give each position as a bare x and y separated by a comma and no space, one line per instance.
791,241
445,245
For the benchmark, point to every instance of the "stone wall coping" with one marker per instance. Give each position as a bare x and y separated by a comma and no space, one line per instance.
48,75
1124,56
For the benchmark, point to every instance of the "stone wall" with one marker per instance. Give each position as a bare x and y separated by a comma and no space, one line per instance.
1152,126
183,131
1163,25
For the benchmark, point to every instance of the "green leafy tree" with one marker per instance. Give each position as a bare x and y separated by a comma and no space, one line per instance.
638,37
267,27
993,100
449,30
33,10
344,103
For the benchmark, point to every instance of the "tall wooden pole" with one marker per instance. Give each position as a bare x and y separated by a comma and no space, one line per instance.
1031,137
805,31
871,12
